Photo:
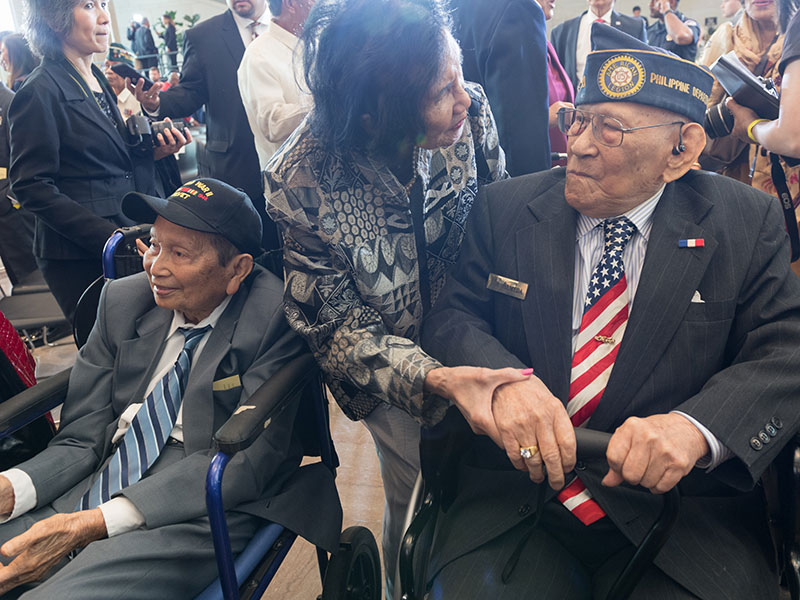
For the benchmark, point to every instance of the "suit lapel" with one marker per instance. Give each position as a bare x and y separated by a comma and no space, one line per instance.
670,276
151,332
232,38
80,99
546,255
198,401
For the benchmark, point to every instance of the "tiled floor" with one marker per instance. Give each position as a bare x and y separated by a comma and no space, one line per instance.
358,480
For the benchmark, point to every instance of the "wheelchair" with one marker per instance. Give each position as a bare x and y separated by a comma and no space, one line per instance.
442,445
352,573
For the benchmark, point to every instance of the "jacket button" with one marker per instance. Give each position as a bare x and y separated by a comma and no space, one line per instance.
756,444
580,466
762,435
524,510
128,175
771,430
776,422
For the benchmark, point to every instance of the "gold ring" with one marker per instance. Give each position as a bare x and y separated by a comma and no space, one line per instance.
528,451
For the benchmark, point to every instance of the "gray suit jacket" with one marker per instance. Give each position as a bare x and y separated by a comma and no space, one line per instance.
564,38
730,362
252,340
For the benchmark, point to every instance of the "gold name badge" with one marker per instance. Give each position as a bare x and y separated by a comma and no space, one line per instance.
221,385
509,287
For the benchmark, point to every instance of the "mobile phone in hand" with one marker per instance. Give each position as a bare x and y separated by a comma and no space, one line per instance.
128,71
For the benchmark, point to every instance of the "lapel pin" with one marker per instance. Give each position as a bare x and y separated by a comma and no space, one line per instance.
509,287
692,243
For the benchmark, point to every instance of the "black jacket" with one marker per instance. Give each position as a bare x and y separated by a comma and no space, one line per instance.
70,165
212,51
505,50
146,47
564,38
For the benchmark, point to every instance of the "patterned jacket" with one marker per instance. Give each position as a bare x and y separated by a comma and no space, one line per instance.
350,257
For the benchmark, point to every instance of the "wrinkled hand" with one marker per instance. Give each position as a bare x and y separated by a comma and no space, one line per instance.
41,547
6,497
148,99
471,390
171,141
527,414
655,452
554,108
742,117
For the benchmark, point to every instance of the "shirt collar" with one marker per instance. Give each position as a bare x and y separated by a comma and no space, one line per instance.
606,17
287,38
243,23
179,321
641,216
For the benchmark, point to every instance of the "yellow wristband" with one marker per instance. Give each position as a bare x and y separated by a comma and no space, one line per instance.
753,124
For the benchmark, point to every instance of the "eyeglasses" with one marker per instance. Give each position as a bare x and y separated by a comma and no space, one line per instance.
608,131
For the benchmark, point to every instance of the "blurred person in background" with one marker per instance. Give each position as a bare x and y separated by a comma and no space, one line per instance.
71,160
371,195
269,82
672,30
170,38
758,45
17,59
731,10
146,47
126,102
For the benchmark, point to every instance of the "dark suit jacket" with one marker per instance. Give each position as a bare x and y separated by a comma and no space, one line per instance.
564,38
212,51
729,362
504,47
69,164
251,340
170,38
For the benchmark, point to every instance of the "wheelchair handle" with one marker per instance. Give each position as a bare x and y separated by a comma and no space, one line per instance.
593,445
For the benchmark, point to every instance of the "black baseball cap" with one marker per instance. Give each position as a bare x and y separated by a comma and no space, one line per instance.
207,205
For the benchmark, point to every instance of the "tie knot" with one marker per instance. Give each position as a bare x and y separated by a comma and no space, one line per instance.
599,20
618,232
192,336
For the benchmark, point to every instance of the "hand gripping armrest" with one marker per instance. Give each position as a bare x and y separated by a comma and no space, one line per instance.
253,417
32,403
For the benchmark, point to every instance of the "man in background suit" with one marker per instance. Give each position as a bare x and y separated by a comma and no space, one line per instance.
698,382
572,42
504,48
149,536
212,51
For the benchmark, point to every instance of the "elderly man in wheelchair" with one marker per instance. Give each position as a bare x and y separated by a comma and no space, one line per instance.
114,507
697,378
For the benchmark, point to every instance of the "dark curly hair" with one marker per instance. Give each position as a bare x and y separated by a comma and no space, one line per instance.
377,58
46,23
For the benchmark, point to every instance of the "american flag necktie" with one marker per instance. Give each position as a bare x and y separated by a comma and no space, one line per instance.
149,430
605,315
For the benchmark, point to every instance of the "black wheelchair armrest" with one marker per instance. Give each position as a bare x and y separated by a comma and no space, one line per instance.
30,404
253,417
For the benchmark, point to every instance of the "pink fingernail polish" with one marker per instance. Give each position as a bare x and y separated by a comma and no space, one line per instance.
526,371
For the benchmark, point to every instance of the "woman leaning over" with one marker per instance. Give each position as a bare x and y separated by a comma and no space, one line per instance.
71,160
371,194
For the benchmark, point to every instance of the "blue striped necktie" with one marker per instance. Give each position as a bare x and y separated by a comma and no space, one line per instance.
149,430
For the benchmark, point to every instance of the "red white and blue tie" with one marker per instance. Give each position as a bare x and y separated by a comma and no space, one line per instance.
605,316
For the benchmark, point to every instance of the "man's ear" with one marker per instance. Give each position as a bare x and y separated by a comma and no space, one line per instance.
242,265
693,139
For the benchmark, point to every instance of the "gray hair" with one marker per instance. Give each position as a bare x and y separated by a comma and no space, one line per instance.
47,22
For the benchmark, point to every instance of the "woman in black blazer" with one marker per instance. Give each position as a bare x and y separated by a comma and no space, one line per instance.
71,162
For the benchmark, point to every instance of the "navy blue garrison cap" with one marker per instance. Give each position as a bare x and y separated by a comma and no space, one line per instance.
624,69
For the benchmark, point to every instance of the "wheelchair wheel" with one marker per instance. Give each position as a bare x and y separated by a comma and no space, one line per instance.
354,573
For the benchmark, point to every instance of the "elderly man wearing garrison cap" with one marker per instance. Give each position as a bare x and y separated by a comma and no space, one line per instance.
651,301
175,351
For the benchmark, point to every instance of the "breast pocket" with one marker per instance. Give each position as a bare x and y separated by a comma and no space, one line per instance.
710,311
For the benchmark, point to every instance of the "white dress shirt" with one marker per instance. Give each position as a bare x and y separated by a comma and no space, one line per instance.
584,45
119,513
270,76
589,250
244,26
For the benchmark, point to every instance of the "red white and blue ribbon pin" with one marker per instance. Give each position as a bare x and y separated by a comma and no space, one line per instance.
692,243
